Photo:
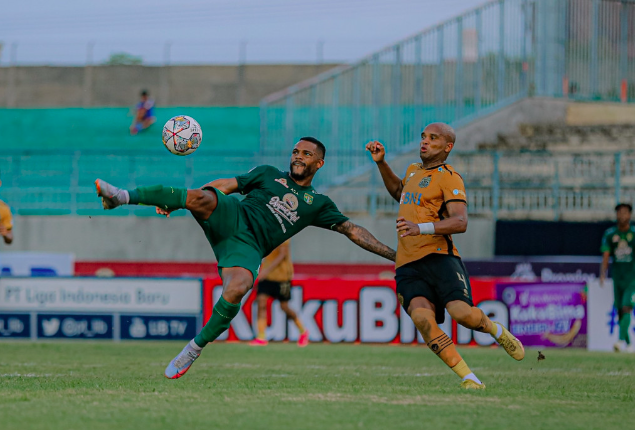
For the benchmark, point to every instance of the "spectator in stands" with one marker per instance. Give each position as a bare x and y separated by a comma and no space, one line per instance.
6,222
144,114
274,281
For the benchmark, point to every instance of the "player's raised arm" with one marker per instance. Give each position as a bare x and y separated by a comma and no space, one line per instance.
391,180
364,239
226,186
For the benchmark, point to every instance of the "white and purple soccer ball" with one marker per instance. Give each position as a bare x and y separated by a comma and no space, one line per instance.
182,135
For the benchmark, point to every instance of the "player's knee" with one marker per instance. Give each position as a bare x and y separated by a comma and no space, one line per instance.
626,310
422,319
262,302
237,287
200,200
287,310
463,315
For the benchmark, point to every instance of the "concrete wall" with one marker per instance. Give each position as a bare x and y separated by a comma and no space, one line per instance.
535,110
181,239
243,85
542,110
600,114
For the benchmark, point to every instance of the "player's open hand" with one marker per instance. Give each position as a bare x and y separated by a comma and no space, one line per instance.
377,150
407,228
164,212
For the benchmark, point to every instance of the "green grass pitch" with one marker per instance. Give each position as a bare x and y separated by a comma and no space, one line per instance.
92,385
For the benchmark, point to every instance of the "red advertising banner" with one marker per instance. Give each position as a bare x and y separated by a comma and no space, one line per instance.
204,270
349,310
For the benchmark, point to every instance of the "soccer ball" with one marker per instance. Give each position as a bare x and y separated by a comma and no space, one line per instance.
182,135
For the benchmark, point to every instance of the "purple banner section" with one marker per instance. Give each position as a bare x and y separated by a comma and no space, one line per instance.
546,314
538,269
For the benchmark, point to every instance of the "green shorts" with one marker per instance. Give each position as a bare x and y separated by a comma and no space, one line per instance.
232,241
624,293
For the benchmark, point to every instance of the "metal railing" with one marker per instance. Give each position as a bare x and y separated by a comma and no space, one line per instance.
458,71
509,185
500,185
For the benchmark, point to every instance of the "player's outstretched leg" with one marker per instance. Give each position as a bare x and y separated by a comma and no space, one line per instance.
168,198
474,318
236,283
111,196
443,347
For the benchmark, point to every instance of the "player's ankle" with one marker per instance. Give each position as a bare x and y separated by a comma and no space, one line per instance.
194,346
496,330
124,196
472,377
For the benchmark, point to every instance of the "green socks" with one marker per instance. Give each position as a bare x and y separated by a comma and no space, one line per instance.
222,314
158,195
625,323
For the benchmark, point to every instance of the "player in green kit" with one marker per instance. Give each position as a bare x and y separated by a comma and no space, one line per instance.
278,205
618,242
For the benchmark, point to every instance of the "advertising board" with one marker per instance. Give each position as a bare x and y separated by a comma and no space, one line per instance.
543,314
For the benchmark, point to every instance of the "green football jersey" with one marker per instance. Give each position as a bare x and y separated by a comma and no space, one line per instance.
277,208
620,245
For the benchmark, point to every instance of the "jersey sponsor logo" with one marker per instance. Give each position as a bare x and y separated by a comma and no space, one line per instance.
282,209
458,193
282,182
425,182
291,201
623,252
308,198
616,238
410,198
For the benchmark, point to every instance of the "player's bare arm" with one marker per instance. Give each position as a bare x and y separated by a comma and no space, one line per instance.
226,186
391,180
455,223
604,267
7,235
364,239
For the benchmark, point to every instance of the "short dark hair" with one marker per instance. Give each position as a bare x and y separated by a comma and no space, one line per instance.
317,143
624,205
144,93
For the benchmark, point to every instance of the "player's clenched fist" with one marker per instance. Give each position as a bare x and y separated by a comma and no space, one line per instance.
161,211
377,150
407,228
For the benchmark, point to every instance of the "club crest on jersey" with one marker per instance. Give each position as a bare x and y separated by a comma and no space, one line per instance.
308,198
629,236
291,201
282,182
425,182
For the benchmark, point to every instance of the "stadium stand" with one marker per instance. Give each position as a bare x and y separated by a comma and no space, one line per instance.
52,171
464,71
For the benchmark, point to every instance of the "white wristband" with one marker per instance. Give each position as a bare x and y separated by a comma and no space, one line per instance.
426,228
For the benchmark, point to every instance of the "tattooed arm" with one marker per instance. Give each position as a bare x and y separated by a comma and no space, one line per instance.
362,238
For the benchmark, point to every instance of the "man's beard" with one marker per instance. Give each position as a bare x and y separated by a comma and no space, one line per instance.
299,176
